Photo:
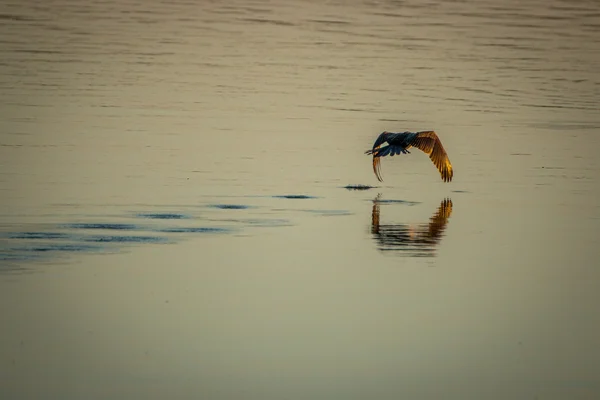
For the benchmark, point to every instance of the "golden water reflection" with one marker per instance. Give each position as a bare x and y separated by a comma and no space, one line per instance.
414,240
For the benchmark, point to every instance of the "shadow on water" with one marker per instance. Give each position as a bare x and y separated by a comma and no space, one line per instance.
412,240
358,187
21,245
163,216
295,196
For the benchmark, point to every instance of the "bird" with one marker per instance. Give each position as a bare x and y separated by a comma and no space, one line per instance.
399,143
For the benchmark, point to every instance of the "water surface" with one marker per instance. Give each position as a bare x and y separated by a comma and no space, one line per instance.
187,210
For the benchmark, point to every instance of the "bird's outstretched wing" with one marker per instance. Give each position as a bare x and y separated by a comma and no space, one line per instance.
379,141
376,160
377,167
430,144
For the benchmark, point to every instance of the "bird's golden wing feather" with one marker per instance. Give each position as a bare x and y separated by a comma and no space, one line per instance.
430,144
377,165
376,160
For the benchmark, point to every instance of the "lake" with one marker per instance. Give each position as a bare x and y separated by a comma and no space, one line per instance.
187,210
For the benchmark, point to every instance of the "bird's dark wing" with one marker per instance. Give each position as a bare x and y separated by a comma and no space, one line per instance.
380,140
430,144
377,167
376,159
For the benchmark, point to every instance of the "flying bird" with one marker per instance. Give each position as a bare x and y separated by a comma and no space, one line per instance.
399,143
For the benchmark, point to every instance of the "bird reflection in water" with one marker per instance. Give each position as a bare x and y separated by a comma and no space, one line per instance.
413,240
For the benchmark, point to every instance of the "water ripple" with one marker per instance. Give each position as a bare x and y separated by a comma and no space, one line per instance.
294,196
201,229
230,206
163,216
107,226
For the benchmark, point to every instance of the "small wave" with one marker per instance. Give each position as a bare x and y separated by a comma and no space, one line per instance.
118,227
268,21
193,229
15,17
39,235
294,196
163,216
230,206
125,239
406,202
265,222
359,187
71,248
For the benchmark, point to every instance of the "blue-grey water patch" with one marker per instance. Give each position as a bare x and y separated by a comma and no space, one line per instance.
196,229
393,201
230,206
59,247
295,196
107,226
33,246
38,235
15,254
26,245
125,239
13,258
545,167
163,216
358,187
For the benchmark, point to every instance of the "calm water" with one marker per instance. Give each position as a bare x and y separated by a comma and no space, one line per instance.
174,220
